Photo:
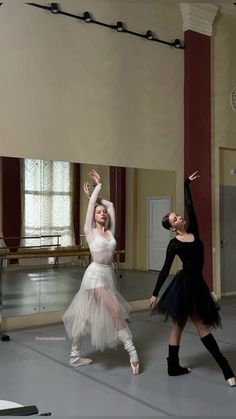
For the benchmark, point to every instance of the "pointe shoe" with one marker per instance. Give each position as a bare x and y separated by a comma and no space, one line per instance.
231,381
135,367
78,361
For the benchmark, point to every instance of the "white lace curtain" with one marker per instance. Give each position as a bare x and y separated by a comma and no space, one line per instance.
47,202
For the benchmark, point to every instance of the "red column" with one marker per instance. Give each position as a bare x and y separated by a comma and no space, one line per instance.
118,197
11,202
1,199
197,134
76,202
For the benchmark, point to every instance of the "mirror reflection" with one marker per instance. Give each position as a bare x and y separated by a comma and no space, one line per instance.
43,245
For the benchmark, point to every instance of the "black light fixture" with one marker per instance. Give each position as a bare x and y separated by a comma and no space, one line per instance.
120,27
54,8
87,17
149,35
177,43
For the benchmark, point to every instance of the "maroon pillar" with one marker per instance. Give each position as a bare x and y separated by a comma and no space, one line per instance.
76,202
11,202
118,197
197,134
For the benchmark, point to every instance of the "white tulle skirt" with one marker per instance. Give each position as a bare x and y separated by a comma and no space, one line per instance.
97,309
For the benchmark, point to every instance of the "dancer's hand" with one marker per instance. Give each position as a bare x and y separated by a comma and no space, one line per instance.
194,176
87,189
153,302
95,176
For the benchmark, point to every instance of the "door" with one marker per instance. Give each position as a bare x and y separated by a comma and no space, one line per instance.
158,237
228,238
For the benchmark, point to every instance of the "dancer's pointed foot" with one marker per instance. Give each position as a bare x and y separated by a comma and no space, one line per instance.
135,367
78,361
231,381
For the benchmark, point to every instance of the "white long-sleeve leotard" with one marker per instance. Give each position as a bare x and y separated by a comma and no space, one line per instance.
101,249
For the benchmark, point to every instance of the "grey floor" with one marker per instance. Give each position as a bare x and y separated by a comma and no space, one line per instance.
34,370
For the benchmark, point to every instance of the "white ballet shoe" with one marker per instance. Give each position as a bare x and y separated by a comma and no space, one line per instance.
78,361
231,382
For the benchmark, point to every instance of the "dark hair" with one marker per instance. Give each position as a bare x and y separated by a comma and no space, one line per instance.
166,222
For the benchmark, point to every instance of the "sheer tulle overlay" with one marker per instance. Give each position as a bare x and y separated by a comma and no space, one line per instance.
189,295
97,309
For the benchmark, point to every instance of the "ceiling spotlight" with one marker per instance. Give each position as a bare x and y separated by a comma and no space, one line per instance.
87,17
149,35
120,27
177,43
54,8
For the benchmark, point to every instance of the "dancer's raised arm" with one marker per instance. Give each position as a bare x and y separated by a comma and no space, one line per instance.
89,220
107,204
192,219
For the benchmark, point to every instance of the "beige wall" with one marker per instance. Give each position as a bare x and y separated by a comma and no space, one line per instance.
78,92
223,117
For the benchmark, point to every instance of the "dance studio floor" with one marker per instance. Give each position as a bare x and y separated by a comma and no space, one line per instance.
34,370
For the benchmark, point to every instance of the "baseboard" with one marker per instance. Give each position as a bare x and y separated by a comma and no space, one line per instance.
228,294
139,305
30,320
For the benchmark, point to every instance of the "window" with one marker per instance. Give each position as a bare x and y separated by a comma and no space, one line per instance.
47,202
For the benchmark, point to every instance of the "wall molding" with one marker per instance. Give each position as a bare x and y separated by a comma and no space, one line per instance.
198,17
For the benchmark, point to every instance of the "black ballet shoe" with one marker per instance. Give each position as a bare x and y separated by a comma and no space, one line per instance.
174,369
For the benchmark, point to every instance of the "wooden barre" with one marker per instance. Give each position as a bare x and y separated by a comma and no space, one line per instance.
30,237
49,253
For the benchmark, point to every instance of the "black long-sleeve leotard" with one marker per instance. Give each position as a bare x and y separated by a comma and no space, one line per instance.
190,253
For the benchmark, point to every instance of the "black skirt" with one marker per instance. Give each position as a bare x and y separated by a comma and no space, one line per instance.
188,294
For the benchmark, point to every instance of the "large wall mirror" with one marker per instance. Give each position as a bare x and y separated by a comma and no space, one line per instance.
43,247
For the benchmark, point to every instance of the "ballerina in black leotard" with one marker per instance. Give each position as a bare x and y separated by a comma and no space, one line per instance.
188,295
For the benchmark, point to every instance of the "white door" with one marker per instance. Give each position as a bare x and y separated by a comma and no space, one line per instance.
158,237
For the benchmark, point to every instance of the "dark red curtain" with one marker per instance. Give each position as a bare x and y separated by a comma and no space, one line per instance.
11,202
118,197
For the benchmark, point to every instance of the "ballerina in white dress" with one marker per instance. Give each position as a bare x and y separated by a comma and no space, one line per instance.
98,309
